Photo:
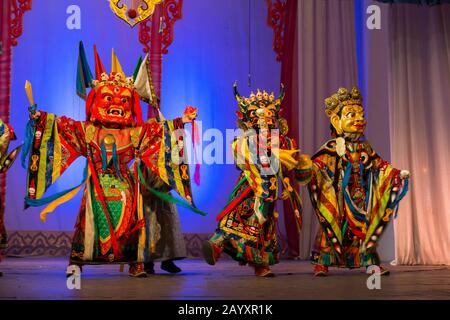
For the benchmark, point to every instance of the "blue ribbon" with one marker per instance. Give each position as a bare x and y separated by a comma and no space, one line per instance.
357,215
399,198
347,173
29,136
104,157
361,174
369,188
115,162
43,201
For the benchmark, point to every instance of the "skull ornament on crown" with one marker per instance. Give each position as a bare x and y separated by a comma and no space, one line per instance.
260,111
113,101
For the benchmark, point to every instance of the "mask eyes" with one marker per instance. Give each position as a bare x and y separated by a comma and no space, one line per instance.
124,100
107,98
350,115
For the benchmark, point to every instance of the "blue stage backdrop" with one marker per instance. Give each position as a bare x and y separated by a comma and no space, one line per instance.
210,51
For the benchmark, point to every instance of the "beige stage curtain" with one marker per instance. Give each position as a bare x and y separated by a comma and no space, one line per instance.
327,60
420,129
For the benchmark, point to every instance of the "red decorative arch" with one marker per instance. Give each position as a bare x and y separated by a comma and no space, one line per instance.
156,34
165,20
276,19
18,9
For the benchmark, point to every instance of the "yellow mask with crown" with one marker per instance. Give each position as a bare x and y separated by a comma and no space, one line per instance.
346,112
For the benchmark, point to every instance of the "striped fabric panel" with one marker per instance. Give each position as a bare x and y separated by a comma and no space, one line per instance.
46,151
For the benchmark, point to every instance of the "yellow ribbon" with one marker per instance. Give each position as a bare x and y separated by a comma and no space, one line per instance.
56,203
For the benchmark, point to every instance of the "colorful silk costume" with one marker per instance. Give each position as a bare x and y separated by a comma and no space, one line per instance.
6,161
247,225
110,227
354,192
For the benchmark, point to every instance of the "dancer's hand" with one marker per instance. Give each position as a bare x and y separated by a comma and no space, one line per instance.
405,174
190,114
35,115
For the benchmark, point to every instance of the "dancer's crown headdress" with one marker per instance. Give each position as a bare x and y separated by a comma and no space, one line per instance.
342,98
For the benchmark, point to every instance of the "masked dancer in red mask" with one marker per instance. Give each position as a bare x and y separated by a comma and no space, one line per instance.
111,224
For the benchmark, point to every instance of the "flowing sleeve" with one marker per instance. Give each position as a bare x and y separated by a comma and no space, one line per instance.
323,194
162,149
386,190
55,143
296,168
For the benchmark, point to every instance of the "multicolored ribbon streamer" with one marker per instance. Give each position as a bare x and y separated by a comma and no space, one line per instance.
165,196
56,196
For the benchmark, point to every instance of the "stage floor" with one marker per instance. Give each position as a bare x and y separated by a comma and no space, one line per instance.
44,278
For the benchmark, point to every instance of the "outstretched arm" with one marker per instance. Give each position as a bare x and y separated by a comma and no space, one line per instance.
54,143
162,149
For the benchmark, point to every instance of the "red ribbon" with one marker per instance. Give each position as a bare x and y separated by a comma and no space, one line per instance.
196,140
233,203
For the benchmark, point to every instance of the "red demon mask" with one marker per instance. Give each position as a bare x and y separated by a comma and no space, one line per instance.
113,100
114,105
